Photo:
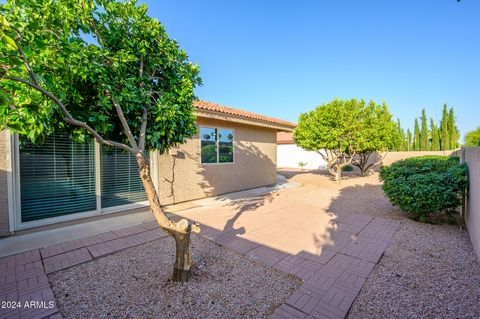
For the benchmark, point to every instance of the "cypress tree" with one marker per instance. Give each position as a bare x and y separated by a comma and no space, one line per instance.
424,138
444,138
452,130
416,136
435,136
401,134
409,140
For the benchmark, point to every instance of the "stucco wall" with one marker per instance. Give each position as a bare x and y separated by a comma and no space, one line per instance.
4,229
288,156
392,157
255,165
471,156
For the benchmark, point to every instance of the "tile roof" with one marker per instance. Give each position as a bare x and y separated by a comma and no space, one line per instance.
202,105
285,138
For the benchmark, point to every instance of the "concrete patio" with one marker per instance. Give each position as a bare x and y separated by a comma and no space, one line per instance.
293,230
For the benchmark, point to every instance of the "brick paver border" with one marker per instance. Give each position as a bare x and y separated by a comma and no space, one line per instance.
331,285
23,277
331,280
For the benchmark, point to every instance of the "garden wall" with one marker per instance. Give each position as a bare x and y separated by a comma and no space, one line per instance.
288,156
392,157
471,156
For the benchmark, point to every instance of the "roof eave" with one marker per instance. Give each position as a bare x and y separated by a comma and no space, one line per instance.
243,120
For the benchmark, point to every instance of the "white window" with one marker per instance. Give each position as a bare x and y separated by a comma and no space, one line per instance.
216,145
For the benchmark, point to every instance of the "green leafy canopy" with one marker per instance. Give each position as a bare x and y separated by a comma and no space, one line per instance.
349,126
91,55
472,138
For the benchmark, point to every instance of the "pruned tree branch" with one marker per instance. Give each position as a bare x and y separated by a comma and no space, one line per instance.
68,117
143,127
143,131
25,61
97,33
123,120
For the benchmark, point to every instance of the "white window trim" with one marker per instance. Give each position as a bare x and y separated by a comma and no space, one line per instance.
15,215
218,128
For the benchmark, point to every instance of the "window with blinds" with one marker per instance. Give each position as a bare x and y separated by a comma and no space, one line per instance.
121,183
56,178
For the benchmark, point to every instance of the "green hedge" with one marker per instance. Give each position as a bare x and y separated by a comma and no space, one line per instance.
425,187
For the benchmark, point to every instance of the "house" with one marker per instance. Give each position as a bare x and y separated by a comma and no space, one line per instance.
289,154
63,180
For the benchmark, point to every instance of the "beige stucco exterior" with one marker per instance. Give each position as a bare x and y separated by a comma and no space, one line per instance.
254,164
4,229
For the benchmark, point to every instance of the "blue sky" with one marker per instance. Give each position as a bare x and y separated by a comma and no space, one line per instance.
281,58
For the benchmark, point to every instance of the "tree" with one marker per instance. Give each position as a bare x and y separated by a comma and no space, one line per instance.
332,130
435,136
416,136
444,133
347,132
100,69
452,130
402,146
472,138
424,134
380,133
409,140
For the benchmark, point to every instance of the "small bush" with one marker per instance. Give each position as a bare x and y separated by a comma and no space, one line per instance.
426,187
347,168
302,164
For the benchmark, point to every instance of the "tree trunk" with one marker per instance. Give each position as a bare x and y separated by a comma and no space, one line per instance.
335,171
180,231
181,270
338,175
363,171
362,162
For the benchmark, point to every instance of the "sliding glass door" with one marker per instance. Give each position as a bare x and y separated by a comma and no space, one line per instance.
121,183
57,178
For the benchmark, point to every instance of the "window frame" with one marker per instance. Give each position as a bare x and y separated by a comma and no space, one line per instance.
217,144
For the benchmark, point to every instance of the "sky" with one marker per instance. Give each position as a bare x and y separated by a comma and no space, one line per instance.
282,58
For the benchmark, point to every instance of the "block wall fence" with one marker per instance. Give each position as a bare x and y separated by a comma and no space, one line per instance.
471,156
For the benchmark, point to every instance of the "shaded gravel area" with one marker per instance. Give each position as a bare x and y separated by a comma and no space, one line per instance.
135,283
428,271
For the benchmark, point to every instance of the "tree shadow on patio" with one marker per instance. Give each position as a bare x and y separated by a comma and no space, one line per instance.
347,239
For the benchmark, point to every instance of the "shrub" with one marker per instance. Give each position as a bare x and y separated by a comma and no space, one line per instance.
426,187
347,168
302,165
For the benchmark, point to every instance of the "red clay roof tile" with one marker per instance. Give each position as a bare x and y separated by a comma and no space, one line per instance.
250,115
285,138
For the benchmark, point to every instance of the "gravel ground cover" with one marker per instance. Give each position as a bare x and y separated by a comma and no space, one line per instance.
428,271
135,284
